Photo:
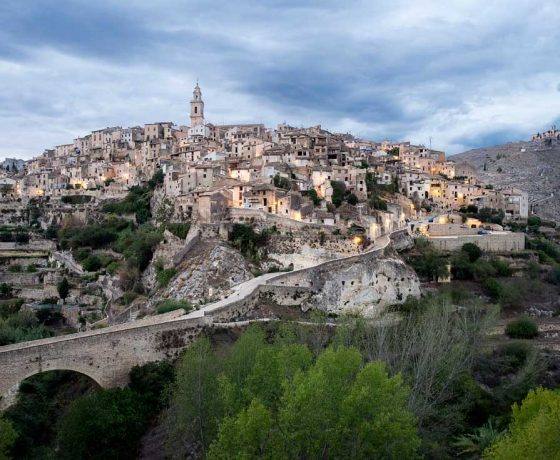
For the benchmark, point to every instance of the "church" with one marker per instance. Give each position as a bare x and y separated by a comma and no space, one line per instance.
199,129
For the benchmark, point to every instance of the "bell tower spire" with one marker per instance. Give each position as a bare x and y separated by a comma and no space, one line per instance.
197,107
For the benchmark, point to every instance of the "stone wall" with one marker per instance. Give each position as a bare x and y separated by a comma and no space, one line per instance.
492,242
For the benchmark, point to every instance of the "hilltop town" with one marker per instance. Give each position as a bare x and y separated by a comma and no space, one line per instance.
212,171
132,217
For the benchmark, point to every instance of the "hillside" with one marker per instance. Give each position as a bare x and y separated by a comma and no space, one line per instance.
530,166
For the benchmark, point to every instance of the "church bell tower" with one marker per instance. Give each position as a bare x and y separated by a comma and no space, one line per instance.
197,107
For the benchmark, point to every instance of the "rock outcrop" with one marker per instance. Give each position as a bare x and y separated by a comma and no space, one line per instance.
207,273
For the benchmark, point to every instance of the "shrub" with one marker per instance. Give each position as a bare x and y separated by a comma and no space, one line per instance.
91,263
312,194
534,221
138,247
128,297
352,199
165,275
502,267
493,288
14,268
248,241
63,288
461,267
282,182
113,267
554,276
376,202
472,250
136,202
522,328
168,305
180,229
21,237
339,189
6,290
76,199
482,269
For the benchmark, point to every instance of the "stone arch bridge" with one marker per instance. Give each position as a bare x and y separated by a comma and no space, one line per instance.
107,355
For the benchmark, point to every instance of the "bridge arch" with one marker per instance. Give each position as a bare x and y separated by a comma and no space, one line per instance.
10,390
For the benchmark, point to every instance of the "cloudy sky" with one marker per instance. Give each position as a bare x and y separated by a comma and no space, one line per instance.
463,73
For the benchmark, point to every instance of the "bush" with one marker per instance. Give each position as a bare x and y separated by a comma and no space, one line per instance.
376,202
21,327
164,275
165,306
248,241
522,328
95,236
128,297
312,194
8,437
137,202
91,263
21,237
472,250
352,199
281,182
76,199
6,290
138,247
63,288
493,288
180,230
534,221
429,263
461,266
15,268
339,190
554,276
502,267
151,382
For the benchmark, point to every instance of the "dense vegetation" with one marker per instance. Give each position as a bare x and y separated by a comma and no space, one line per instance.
63,415
278,399
251,243
137,202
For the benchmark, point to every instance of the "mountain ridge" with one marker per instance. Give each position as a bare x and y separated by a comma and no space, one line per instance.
533,166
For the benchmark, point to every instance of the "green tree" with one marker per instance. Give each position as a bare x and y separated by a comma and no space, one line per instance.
107,424
8,437
472,250
352,199
312,193
195,408
310,410
375,421
247,436
533,431
63,288
339,189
